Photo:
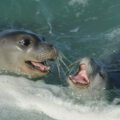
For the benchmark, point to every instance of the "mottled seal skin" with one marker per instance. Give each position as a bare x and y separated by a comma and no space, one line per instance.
25,53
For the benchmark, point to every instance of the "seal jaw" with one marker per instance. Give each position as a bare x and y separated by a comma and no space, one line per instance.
39,66
80,78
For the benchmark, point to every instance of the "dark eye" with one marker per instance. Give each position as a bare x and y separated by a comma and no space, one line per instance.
25,42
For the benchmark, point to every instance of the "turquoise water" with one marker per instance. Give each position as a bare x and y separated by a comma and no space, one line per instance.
77,28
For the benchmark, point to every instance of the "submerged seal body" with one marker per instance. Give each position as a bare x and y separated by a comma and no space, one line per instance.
25,53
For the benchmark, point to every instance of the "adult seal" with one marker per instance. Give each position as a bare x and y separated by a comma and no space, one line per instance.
25,53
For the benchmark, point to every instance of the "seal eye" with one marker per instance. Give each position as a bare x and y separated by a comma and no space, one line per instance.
25,42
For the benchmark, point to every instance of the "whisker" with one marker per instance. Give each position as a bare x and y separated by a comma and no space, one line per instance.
61,72
58,67
64,73
61,60
72,66
64,57
74,63
70,70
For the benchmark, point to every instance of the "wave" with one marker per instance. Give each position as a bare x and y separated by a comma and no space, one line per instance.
20,97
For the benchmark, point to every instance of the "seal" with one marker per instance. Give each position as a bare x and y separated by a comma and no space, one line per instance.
25,53
92,72
95,79
89,74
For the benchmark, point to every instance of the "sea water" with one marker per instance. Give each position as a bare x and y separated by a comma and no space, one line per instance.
22,99
77,28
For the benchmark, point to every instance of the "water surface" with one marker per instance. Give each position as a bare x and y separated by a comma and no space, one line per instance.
77,28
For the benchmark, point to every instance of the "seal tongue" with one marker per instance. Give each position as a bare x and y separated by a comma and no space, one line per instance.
40,66
81,76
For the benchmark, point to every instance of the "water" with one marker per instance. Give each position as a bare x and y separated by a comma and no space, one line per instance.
23,99
78,28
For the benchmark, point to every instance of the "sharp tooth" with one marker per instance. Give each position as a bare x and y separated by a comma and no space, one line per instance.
48,68
70,76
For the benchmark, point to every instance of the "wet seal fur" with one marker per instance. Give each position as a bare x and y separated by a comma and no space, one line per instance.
25,53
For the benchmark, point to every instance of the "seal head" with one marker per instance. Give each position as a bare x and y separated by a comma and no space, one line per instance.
25,53
89,75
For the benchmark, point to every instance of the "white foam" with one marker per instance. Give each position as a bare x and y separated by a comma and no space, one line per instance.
114,33
78,2
27,96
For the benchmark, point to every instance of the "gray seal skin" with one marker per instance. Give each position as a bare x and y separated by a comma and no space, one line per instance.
90,78
25,53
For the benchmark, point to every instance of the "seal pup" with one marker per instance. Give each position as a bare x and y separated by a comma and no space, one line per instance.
25,53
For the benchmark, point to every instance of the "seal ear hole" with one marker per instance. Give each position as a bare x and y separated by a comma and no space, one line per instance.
25,42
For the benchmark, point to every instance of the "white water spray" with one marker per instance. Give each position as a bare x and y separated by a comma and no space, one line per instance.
48,102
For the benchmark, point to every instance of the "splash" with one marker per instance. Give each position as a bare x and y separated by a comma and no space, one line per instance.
113,34
49,102
79,2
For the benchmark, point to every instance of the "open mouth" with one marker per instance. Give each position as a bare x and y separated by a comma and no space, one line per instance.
40,66
81,76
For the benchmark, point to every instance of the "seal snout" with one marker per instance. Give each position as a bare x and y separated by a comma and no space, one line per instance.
39,57
81,76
